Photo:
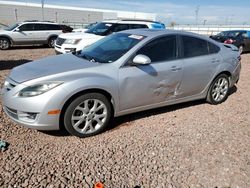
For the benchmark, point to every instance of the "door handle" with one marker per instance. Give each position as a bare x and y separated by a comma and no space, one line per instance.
175,68
215,60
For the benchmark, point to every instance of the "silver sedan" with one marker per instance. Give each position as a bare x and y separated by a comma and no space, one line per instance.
123,73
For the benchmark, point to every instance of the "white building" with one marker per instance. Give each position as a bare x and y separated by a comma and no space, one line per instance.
11,12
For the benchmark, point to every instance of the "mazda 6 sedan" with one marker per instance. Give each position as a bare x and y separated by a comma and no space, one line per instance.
123,73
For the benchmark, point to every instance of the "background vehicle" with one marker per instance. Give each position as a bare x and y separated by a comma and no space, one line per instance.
89,26
239,38
84,90
77,41
30,33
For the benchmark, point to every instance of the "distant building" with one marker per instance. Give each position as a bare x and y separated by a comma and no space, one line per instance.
12,12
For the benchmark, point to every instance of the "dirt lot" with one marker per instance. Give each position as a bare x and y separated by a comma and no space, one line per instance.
189,145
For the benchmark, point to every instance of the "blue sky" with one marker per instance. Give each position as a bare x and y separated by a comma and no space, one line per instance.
179,11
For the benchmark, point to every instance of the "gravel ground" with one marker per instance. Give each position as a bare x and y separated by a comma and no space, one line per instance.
189,145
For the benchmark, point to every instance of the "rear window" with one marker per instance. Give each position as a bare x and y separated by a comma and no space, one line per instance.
193,47
52,27
213,49
138,26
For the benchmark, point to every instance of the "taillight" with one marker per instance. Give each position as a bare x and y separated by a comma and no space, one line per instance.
229,41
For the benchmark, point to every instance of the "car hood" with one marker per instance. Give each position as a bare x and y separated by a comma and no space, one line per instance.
79,35
3,32
49,66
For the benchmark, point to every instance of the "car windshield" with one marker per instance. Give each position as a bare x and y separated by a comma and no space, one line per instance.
223,34
11,27
100,28
234,34
110,48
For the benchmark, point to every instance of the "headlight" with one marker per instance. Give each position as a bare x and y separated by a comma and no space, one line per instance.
72,41
38,89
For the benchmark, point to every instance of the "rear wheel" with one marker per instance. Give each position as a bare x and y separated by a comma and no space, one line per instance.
52,41
218,91
241,49
4,43
87,115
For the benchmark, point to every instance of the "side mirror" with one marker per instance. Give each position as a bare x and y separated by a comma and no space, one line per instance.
141,60
17,29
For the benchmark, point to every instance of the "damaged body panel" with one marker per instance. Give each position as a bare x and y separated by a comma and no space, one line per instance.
149,84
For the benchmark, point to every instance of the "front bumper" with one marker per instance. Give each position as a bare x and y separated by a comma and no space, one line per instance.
32,112
63,49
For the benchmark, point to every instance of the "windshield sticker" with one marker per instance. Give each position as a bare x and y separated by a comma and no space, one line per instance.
138,37
108,25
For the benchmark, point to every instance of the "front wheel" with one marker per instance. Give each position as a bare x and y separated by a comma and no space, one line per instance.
4,44
87,115
218,91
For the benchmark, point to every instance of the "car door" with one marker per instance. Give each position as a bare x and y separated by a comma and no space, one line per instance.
154,83
24,34
200,60
40,33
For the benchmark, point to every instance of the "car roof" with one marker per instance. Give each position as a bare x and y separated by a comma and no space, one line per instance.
131,21
235,30
39,22
158,32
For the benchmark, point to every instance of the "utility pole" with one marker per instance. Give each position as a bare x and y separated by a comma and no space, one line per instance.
16,15
42,2
197,14
204,22
56,16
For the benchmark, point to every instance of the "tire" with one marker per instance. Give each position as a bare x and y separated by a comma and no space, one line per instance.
241,49
87,115
4,43
219,89
51,42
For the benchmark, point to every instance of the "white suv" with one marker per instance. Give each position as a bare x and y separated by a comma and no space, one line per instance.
77,41
30,33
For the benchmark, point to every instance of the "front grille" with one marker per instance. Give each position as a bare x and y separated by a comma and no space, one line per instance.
60,41
28,117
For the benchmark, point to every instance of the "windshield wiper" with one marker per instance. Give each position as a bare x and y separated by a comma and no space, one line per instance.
91,59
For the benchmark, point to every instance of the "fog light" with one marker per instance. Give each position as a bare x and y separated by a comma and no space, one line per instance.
27,116
71,49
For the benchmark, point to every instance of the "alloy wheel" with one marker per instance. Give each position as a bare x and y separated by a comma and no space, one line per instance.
220,89
89,116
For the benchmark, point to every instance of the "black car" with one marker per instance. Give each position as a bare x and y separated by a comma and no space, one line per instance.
239,38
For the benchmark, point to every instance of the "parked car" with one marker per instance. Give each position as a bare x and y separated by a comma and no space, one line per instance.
87,27
239,38
30,33
123,73
76,41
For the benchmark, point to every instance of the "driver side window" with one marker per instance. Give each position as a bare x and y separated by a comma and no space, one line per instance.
161,49
26,27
